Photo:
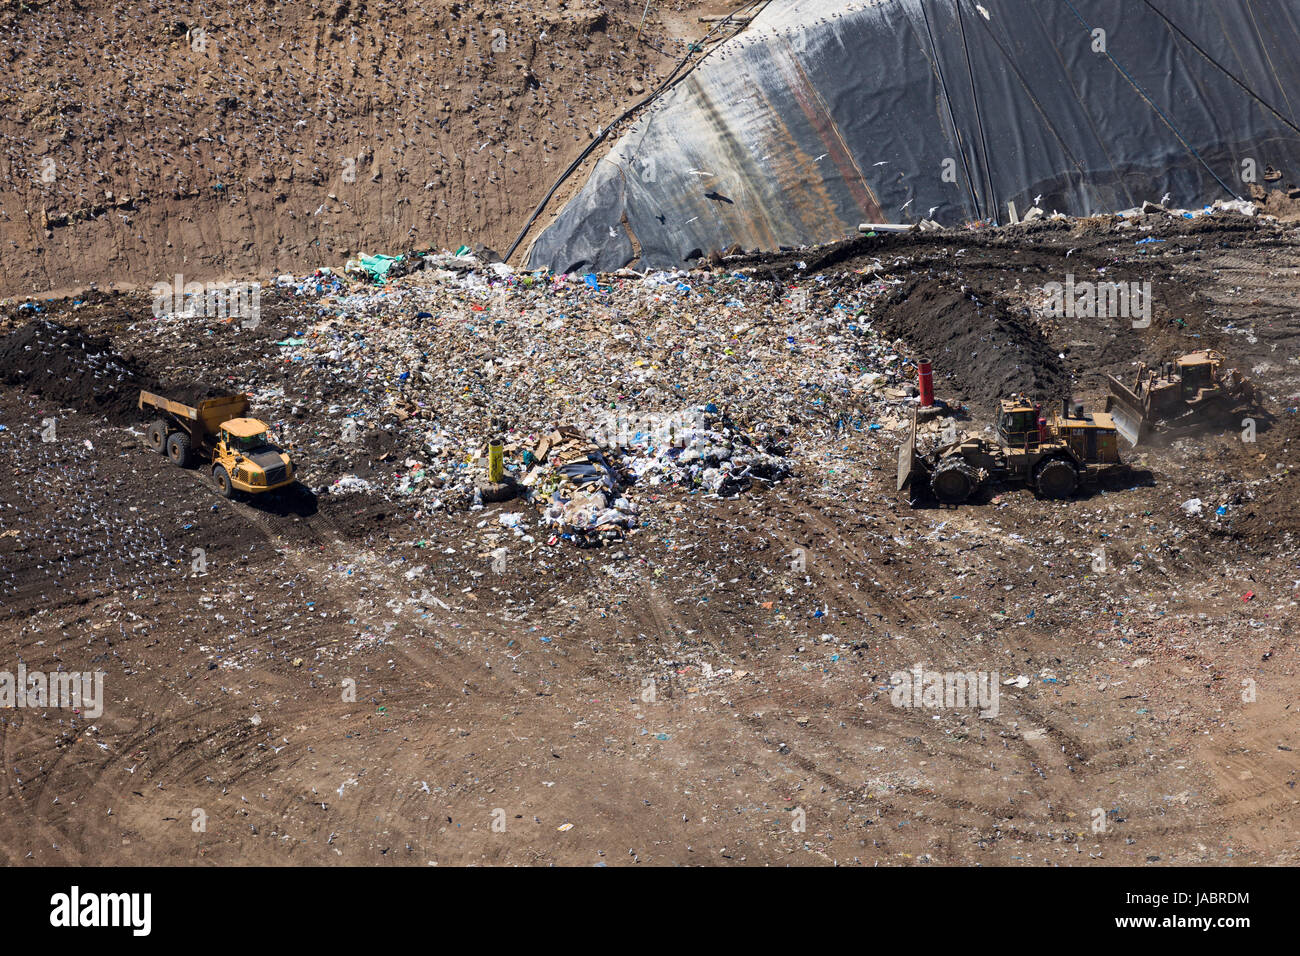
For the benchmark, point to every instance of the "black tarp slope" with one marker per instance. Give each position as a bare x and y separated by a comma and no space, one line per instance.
827,113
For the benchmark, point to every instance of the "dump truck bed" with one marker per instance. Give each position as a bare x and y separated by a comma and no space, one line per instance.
199,420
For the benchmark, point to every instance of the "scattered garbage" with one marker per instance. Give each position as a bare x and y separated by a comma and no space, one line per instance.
594,418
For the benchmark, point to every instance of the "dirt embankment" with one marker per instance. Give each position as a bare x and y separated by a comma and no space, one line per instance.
142,141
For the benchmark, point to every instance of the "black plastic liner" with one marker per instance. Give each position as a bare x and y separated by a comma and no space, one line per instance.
826,113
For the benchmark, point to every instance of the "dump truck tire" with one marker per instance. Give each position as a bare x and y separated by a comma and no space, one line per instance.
178,448
1056,479
222,478
953,481
155,436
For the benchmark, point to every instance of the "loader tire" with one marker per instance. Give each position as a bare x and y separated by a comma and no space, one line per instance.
953,481
222,478
1056,479
155,436
178,448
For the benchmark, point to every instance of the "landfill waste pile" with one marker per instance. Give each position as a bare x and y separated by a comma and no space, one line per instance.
706,382
576,487
581,493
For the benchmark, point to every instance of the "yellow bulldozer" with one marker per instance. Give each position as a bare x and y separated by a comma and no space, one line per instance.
1178,397
1054,457
215,430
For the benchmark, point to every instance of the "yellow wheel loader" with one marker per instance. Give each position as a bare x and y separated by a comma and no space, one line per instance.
215,430
1053,457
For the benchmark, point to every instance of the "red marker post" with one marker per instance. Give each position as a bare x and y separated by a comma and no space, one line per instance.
925,381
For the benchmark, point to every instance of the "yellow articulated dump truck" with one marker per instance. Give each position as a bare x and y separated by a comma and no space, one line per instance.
243,458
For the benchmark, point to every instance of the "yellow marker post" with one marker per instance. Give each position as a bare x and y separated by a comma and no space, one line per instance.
496,462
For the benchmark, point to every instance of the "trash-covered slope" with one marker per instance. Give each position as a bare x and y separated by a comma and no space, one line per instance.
826,113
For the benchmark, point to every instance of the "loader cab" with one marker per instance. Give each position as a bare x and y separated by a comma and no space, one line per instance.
1018,423
1092,438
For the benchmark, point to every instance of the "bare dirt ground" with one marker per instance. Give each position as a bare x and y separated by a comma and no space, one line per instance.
690,694
138,141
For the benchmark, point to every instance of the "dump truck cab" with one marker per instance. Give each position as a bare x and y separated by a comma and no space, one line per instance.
243,448
241,435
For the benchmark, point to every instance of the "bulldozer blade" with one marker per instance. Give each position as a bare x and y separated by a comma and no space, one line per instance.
1122,393
1129,426
1126,411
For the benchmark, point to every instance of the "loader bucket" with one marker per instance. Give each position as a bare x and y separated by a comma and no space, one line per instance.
1126,410
907,463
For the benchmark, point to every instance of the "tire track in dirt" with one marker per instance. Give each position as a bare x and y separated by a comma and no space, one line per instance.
765,727
1078,755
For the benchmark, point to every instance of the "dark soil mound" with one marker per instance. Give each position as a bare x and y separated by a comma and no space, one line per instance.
194,393
982,350
65,366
